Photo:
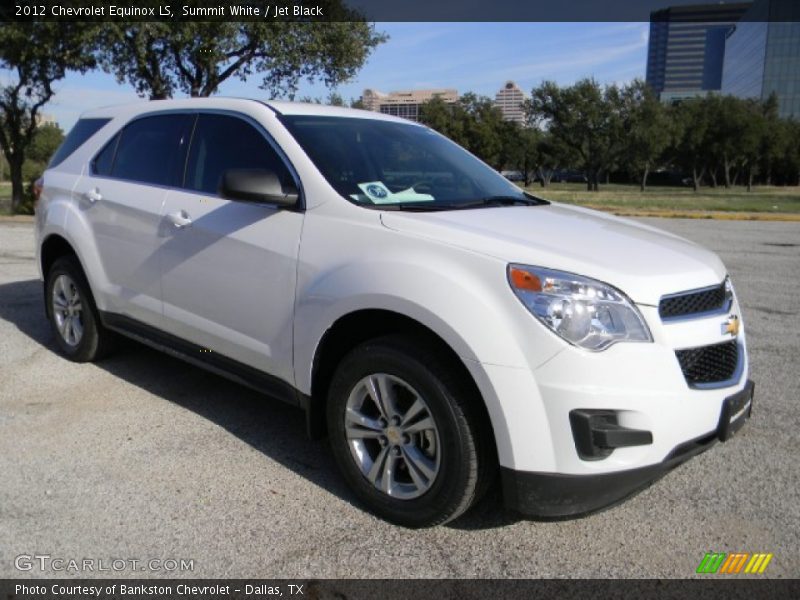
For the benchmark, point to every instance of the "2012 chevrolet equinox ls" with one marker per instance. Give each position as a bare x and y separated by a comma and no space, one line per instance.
437,322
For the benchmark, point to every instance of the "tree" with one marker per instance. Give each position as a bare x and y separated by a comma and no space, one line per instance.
585,118
161,58
520,150
790,160
447,119
46,140
774,140
37,54
646,129
691,135
483,128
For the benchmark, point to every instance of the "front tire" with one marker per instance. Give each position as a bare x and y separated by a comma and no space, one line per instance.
406,433
74,319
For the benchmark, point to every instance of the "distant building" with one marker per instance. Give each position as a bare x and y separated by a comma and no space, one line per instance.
762,55
510,102
405,104
43,119
687,46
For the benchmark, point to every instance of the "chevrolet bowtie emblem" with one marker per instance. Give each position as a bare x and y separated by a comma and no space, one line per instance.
731,326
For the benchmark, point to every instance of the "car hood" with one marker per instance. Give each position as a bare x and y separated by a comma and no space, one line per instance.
642,261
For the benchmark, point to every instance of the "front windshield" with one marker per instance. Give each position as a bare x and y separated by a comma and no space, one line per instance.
390,165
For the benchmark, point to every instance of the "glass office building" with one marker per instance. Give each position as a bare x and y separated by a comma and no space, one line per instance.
687,46
762,55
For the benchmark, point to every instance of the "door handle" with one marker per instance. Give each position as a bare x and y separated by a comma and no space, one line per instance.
180,219
93,195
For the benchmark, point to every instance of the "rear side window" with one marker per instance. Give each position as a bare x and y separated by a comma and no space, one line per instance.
102,163
222,142
150,150
82,131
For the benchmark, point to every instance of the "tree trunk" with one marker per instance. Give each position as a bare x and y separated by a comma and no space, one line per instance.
696,179
749,180
643,184
17,184
713,174
726,170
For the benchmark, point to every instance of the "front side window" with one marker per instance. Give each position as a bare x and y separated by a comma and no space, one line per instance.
222,142
386,164
150,150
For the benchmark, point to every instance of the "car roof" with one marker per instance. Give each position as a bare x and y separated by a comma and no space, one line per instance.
244,104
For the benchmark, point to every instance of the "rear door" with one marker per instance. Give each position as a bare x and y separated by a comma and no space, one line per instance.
123,195
229,268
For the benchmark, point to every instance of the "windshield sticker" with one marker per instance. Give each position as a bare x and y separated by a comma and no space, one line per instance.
378,193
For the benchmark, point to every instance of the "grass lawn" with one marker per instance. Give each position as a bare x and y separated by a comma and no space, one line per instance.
628,197
5,197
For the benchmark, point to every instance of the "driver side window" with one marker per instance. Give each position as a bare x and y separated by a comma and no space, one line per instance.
222,142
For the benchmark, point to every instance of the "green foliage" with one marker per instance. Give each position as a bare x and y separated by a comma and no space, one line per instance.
646,130
34,56
586,118
521,150
473,122
46,140
161,59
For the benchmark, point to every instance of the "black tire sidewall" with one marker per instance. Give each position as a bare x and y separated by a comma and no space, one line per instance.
455,483
87,348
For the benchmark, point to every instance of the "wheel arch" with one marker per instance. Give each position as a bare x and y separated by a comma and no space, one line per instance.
359,326
53,247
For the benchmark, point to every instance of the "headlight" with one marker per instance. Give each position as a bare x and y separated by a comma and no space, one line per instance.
585,312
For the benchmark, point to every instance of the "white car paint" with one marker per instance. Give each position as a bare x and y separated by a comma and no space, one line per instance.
263,285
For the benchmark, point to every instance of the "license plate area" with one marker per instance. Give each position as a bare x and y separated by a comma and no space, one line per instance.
736,410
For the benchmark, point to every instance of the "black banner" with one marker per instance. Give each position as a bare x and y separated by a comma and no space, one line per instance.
393,10
712,588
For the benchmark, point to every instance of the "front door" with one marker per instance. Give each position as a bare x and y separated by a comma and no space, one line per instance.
229,268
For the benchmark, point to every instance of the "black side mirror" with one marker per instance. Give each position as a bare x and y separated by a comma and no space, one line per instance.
256,185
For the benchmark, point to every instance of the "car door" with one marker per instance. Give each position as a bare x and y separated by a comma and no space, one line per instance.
229,267
123,194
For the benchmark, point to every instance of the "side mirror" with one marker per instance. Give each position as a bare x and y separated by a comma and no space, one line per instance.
256,185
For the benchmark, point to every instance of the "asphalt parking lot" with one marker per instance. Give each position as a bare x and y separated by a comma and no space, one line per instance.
145,457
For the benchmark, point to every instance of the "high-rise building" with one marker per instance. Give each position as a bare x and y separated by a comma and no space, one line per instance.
762,55
510,101
687,46
404,104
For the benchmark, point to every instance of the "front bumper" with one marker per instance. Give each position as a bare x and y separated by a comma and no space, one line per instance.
557,495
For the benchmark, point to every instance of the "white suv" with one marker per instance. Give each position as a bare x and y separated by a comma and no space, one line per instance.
448,331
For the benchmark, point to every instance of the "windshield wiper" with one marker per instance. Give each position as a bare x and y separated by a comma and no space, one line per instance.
408,206
497,201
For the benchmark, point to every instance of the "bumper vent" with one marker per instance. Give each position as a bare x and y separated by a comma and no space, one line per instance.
709,365
696,302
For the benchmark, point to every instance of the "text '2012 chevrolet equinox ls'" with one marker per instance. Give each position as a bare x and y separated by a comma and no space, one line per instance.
435,321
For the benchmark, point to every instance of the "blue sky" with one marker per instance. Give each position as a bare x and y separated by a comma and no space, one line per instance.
476,57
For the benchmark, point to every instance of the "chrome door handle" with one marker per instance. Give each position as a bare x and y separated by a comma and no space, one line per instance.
93,195
180,219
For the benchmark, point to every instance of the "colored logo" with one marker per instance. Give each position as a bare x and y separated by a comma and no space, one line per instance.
734,563
376,190
731,326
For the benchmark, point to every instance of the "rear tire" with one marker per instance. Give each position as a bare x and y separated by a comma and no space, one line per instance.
79,334
406,432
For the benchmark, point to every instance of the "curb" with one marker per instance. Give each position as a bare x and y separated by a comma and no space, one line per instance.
17,218
719,215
